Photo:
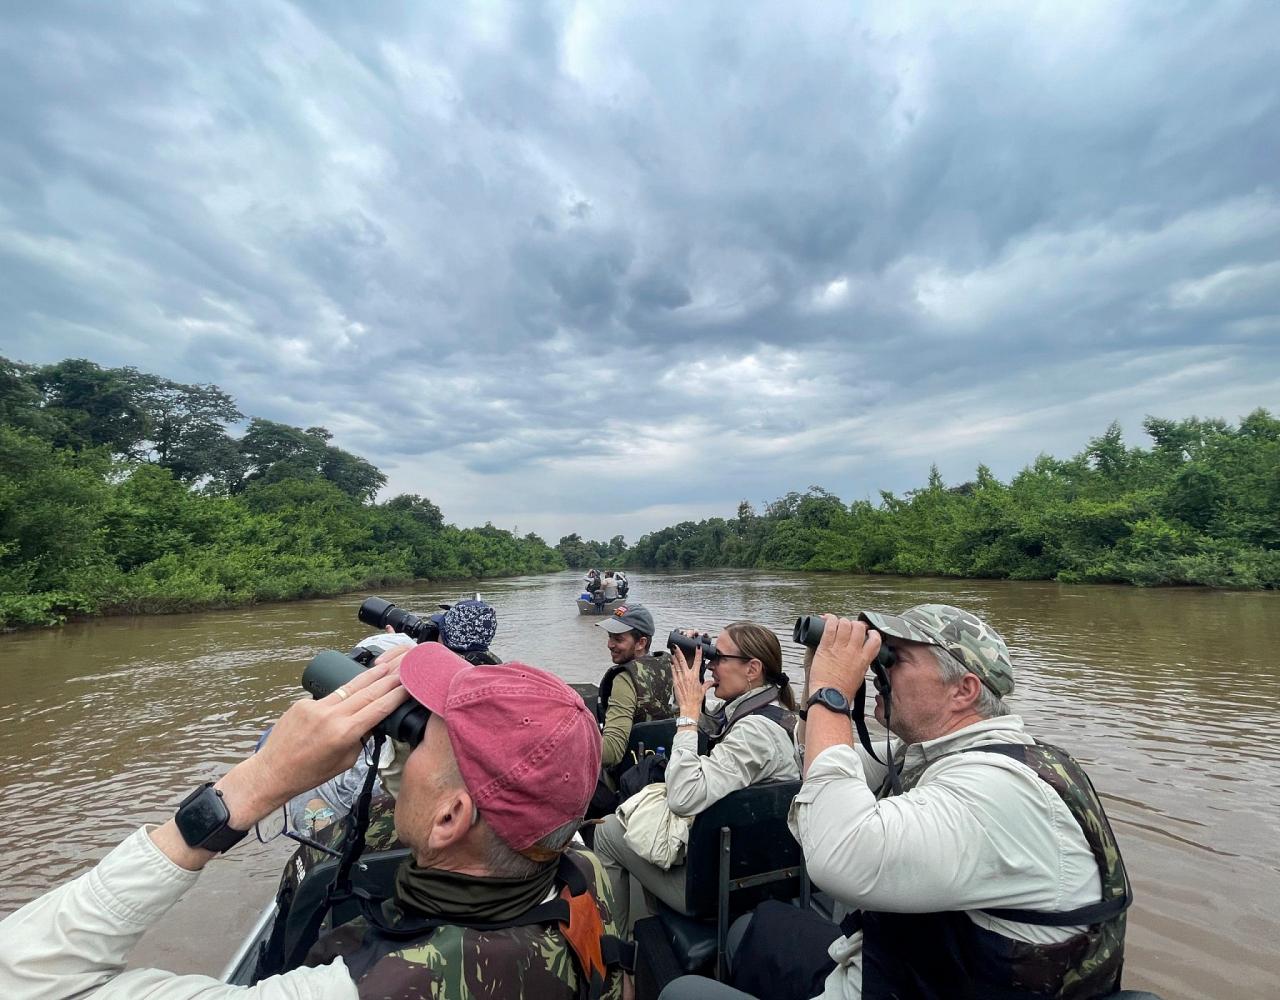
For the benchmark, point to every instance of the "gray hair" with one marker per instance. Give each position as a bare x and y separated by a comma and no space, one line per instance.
501,860
988,704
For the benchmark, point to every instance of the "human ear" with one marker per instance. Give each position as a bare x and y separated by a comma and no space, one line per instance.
968,688
454,817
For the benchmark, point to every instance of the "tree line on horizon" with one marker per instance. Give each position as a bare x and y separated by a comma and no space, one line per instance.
121,491
1201,505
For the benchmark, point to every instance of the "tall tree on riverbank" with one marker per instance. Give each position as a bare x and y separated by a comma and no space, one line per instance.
123,491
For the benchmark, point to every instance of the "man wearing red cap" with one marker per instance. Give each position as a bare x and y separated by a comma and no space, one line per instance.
488,802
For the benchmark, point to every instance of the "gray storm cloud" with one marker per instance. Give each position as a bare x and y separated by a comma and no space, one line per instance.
583,272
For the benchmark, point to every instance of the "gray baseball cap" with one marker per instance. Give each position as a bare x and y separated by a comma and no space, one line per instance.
626,617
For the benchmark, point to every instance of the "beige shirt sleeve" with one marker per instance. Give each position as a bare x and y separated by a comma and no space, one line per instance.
756,749
74,940
618,720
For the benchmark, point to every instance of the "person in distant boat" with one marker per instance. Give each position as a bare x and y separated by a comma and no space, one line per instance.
609,587
593,582
980,863
492,883
623,584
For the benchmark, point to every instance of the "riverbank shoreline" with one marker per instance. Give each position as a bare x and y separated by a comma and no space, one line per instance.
166,606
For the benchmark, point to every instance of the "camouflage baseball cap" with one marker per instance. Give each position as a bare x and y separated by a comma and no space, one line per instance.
966,637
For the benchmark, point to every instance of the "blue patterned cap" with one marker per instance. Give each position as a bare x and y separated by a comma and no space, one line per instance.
468,626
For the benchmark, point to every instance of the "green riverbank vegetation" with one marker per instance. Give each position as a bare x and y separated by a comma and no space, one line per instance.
1201,505
122,492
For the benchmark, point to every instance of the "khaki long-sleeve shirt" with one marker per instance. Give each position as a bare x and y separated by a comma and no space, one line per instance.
977,831
73,942
755,750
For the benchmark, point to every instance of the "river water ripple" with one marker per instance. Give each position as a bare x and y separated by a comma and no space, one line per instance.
1168,696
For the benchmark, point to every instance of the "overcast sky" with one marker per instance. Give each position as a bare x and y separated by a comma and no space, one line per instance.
604,267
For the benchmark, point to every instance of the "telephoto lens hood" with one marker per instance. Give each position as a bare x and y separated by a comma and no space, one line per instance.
329,670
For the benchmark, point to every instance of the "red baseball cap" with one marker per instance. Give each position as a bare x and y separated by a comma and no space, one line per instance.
527,748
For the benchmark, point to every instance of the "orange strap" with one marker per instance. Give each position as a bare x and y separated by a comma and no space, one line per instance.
584,932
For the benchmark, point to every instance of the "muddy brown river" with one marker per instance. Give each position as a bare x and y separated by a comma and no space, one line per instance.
1168,696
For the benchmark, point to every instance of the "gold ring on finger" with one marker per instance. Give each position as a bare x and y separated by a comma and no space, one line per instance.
342,693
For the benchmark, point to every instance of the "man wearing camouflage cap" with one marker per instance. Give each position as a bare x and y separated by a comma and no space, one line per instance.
993,872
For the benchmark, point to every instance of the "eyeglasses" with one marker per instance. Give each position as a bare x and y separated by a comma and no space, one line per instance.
730,656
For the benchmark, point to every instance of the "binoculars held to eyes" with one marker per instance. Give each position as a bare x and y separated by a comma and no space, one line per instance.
329,670
808,632
690,644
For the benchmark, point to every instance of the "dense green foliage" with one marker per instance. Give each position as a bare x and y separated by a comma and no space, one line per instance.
123,492
581,554
1200,506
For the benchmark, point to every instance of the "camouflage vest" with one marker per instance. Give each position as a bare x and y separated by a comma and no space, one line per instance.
651,675
452,962
947,955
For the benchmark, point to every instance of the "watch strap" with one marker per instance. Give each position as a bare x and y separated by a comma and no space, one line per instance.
686,720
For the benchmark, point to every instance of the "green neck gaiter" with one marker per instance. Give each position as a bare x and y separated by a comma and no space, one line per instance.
432,892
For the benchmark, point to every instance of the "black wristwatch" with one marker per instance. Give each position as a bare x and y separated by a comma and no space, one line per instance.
202,819
829,698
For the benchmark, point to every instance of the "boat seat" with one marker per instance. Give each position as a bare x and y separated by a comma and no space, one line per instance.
589,693
659,733
740,853
376,873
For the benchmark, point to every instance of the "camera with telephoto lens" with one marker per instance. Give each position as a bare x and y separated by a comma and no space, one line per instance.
329,670
379,614
808,632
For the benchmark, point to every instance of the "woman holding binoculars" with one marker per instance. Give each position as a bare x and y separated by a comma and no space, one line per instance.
750,739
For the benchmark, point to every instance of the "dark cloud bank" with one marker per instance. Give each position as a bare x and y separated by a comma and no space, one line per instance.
570,272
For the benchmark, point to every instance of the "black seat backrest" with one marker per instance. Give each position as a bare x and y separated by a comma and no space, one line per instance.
375,873
654,734
658,733
589,693
759,843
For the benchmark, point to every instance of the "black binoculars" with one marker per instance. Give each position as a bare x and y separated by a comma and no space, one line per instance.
329,670
808,632
379,614
690,644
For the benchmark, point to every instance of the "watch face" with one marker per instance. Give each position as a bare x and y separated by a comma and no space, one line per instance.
834,700
201,815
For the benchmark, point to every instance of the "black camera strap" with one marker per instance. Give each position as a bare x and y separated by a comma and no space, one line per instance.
859,713
341,888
